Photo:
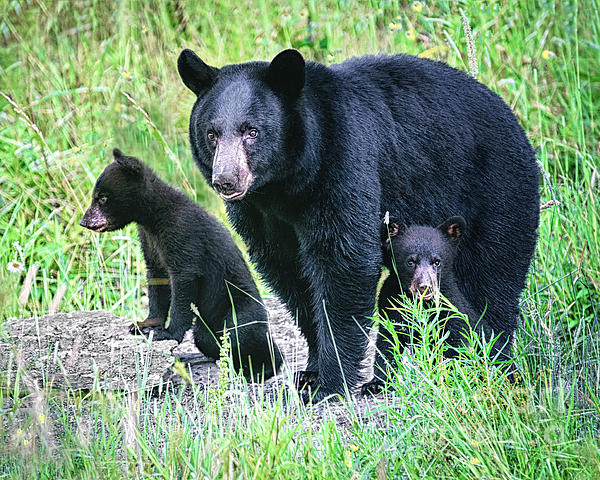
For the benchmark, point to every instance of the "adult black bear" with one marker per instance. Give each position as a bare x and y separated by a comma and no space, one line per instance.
190,258
309,158
420,260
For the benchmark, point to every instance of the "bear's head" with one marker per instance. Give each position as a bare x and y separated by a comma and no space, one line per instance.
421,256
244,125
117,196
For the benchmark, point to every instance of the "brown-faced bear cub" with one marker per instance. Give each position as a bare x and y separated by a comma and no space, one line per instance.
420,260
190,259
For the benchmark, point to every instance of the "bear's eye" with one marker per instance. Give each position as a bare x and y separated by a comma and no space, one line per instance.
437,262
212,136
102,200
410,262
253,133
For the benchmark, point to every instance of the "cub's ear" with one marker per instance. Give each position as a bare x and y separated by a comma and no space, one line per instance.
196,75
286,72
130,165
453,228
390,230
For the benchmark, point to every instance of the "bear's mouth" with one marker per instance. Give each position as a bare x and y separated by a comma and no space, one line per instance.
237,194
101,228
234,195
427,296
105,227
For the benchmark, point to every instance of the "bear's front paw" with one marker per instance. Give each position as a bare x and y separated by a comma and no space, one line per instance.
159,334
135,329
305,378
315,392
138,327
374,387
318,394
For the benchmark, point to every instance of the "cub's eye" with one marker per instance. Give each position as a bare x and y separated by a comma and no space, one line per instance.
410,263
253,133
437,262
212,136
102,200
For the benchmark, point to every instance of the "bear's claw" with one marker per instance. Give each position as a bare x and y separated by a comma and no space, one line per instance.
374,387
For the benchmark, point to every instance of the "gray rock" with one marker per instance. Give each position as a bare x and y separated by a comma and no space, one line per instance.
93,350
82,351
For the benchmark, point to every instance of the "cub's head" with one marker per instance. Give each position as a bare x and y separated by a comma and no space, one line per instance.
421,256
244,124
117,195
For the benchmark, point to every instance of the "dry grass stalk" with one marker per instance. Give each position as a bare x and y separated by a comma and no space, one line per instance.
28,283
470,45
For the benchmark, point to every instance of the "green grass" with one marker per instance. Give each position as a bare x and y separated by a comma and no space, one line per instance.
79,78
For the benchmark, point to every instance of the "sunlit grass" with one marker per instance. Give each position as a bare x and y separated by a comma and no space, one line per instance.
79,78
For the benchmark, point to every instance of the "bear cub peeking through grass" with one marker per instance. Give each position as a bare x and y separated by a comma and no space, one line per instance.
420,261
190,258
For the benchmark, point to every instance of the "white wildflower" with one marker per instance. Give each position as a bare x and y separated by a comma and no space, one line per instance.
15,266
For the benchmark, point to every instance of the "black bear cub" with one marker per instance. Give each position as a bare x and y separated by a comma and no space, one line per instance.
190,258
420,261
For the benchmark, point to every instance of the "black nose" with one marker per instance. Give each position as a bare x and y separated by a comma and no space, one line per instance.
424,288
83,223
225,185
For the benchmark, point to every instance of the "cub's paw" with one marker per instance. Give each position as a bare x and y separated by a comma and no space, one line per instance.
138,327
304,379
160,334
374,387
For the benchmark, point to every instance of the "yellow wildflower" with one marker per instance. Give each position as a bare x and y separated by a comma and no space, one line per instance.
395,26
26,442
433,51
475,461
19,431
417,7
42,418
411,34
547,54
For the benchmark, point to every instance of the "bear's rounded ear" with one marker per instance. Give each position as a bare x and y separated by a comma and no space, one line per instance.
286,72
454,228
130,165
391,229
196,75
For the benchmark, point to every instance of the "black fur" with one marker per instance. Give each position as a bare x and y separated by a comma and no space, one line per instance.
310,158
420,262
190,258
